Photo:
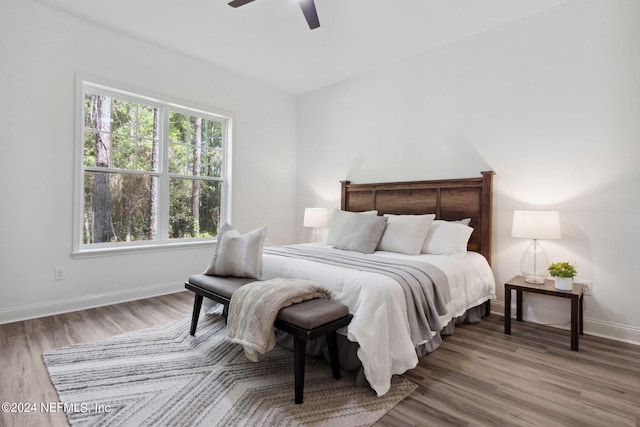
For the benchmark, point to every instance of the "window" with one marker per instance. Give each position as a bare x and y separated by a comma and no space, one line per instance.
152,172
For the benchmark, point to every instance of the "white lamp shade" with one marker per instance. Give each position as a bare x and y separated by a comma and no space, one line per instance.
316,217
539,225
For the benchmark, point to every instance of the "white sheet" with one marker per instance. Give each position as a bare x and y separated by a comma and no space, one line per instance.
379,323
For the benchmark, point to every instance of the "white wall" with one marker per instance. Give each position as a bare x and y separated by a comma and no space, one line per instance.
41,50
551,103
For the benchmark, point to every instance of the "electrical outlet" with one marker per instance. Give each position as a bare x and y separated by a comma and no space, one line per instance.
587,285
59,273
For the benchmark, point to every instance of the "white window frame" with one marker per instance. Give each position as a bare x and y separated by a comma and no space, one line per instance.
165,104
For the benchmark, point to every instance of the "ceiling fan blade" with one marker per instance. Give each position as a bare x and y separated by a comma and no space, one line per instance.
238,3
311,15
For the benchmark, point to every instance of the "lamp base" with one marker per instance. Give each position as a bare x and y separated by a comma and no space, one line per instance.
534,264
533,279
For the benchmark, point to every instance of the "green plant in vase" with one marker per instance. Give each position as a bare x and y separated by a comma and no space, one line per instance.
563,274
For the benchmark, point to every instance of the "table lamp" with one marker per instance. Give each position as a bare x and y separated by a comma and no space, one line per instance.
315,217
535,225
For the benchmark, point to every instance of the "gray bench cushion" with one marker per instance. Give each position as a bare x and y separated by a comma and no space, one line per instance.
307,315
313,313
221,285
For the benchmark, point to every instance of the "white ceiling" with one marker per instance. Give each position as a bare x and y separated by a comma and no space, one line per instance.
269,40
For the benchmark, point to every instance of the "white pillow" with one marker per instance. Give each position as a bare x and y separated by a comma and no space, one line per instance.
238,255
446,238
465,221
361,233
405,234
338,221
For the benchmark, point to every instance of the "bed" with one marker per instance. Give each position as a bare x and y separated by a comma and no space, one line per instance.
396,321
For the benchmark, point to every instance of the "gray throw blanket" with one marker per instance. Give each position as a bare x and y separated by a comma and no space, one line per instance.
254,307
425,286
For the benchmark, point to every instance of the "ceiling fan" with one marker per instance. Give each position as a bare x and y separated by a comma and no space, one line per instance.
308,9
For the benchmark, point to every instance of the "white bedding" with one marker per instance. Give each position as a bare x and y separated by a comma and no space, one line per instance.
377,302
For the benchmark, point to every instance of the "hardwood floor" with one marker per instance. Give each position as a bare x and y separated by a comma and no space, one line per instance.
479,376
24,375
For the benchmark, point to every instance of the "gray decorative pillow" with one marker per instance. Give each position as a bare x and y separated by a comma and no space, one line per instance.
238,255
338,220
361,233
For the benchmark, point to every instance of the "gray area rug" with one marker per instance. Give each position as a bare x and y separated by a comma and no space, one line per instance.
162,376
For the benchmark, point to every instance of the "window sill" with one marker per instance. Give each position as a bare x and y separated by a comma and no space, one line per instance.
143,248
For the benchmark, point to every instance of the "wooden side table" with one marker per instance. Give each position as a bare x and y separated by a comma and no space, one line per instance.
547,288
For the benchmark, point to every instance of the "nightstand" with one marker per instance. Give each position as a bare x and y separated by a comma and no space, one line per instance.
547,288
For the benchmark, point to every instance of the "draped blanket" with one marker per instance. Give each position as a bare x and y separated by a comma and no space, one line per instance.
254,307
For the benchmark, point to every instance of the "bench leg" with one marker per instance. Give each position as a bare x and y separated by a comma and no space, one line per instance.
225,312
197,305
299,354
332,343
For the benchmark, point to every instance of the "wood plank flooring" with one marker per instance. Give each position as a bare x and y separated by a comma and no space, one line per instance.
479,376
24,376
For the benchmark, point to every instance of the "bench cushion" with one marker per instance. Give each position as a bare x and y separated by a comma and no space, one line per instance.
224,286
307,315
313,313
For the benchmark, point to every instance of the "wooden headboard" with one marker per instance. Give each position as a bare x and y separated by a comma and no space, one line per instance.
449,199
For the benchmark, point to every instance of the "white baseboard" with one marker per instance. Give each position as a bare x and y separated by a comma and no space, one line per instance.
598,328
52,308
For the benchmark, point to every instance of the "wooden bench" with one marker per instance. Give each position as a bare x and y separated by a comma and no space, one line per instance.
305,321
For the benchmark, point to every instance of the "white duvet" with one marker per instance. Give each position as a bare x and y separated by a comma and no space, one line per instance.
377,302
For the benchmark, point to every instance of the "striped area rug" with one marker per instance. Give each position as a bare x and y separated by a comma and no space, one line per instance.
162,376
